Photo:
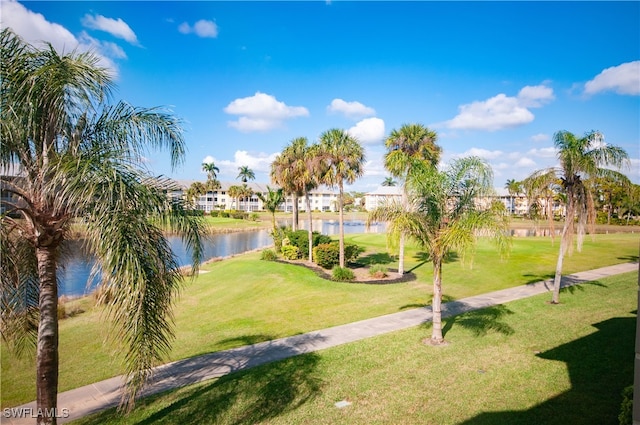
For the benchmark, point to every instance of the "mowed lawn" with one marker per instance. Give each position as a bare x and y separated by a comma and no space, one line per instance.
525,362
245,300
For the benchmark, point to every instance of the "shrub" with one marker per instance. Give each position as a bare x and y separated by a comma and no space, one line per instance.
300,238
378,271
290,252
342,274
214,213
254,216
268,255
626,408
239,215
224,214
326,255
352,252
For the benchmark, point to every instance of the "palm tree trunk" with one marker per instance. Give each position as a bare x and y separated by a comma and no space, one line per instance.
436,335
47,351
401,254
341,224
294,225
564,245
308,203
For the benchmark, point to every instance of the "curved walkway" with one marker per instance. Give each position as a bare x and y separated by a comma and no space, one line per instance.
92,398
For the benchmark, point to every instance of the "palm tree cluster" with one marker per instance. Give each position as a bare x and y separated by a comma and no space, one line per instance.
80,160
337,158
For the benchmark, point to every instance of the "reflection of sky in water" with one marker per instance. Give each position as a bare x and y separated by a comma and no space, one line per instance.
74,274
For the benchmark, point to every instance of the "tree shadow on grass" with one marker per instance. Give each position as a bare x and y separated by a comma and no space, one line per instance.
255,383
600,366
375,258
481,322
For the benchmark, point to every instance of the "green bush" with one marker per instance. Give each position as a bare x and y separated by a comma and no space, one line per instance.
300,238
378,271
254,216
342,274
214,213
326,255
268,255
224,214
626,408
239,215
352,252
290,252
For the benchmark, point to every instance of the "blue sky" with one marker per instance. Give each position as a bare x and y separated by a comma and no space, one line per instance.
494,79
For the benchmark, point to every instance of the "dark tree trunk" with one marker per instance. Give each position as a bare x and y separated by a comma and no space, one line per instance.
310,214
47,353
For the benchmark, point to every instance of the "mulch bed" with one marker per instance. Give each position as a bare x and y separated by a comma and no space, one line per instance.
361,273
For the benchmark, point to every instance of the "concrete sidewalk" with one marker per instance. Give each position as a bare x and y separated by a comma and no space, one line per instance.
104,394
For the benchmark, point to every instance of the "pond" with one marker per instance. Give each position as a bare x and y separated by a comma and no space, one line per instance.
73,277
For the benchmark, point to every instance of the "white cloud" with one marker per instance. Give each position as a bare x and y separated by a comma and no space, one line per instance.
369,130
350,109
622,79
540,137
202,28
501,111
535,96
525,163
482,153
549,152
259,162
116,27
208,159
261,112
35,29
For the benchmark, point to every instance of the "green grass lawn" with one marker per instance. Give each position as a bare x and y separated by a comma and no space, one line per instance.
244,300
525,362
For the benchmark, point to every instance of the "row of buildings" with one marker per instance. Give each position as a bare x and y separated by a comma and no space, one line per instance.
322,198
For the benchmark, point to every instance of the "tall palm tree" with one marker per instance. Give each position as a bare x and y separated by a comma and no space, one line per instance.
389,181
195,190
446,218
342,159
235,192
271,203
409,145
80,161
514,187
212,173
286,172
580,158
245,174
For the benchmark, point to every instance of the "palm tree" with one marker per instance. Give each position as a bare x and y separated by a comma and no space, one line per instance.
580,158
271,202
245,193
79,161
389,181
246,174
514,187
235,192
286,171
342,159
212,172
194,191
409,145
446,218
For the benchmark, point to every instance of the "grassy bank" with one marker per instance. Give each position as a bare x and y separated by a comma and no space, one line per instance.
244,300
525,362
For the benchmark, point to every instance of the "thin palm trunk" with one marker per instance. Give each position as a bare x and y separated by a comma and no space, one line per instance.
294,225
436,306
308,203
341,224
47,353
401,254
564,246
